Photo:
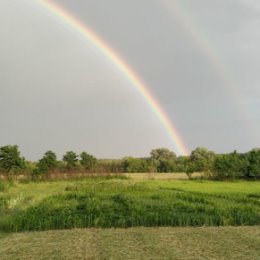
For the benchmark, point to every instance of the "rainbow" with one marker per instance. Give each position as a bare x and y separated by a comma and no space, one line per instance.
122,66
200,38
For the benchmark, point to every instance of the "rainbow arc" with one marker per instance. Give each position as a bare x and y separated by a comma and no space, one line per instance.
70,20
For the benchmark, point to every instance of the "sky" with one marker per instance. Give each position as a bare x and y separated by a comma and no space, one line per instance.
199,59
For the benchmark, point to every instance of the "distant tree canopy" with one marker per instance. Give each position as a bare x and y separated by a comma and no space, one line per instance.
88,161
218,166
164,158
253,164
131,164
236,165
110,166
71,159
47,163
202,159
182,164
10,159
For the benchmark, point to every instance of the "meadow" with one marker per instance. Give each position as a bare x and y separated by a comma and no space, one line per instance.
121,203
179,243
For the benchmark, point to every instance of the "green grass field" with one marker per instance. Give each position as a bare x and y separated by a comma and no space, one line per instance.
147,207
101,202
212,243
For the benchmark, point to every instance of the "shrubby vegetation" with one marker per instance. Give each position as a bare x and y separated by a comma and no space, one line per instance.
46,164
235,165
88,161
216,166
123,203
11,161
108,202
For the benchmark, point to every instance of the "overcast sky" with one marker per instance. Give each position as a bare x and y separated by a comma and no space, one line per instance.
200,59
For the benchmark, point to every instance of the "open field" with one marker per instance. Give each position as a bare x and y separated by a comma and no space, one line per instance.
101,202
212,243
134,176
135,203
161,176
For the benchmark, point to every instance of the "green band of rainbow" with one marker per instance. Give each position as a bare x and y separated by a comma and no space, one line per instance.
122,66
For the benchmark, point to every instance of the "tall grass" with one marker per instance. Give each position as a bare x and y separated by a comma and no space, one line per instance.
2,186
122,203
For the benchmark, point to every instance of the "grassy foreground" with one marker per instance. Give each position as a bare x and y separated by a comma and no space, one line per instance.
213,243
128,203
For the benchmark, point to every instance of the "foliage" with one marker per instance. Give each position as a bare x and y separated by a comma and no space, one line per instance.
217,166
88,161
164,158
10,159
132,164
47,163
182,164
3,186
71,159
110,166
230,166
202,159
253,165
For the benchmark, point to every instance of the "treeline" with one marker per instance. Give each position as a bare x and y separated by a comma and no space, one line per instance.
217,166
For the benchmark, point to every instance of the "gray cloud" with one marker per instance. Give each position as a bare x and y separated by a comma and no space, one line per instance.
59,92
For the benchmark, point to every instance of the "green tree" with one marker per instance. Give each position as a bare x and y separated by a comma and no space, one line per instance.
10,159
164,158
48,162
182,163
253,167
132,164
88,161
71,159
152,165
202,159
230,166
191,167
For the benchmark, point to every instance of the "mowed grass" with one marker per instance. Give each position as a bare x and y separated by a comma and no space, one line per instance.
214,243
162,176
107,203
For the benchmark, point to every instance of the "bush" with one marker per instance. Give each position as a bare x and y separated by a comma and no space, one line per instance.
230,166
253,166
